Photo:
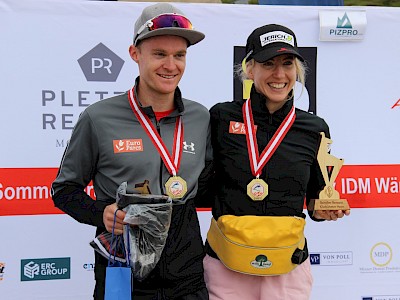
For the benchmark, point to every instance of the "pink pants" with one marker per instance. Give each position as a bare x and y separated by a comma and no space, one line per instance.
224,284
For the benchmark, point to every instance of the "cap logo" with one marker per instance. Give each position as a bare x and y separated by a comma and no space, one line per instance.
282,49
276,37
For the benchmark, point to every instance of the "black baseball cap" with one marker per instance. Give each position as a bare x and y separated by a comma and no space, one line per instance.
269,41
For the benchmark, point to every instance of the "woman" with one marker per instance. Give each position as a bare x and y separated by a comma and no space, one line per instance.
256,247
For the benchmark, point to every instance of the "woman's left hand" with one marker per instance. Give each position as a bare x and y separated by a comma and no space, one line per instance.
330,215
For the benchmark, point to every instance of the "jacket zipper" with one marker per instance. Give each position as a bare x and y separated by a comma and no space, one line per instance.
161,165
266,166
162,261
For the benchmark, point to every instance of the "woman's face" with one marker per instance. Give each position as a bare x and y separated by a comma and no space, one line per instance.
274,78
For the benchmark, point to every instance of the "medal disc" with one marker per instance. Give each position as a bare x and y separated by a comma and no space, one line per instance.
257,189
176,187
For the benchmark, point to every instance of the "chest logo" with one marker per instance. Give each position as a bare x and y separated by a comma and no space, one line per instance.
129,145
237,127
188,147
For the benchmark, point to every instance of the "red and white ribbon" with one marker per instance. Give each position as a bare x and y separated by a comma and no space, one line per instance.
171,162
257,162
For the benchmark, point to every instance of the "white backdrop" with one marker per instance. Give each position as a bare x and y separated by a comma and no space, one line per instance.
44,87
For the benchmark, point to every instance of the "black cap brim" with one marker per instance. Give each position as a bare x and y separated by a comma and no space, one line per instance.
271,52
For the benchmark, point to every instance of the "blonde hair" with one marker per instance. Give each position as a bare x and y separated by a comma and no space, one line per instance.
242,70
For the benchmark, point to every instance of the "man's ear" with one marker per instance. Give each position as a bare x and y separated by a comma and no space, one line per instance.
133,52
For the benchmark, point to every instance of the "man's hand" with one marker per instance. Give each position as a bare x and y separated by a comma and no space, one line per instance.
330,215
108,219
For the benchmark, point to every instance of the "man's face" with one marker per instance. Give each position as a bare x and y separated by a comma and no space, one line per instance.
161,61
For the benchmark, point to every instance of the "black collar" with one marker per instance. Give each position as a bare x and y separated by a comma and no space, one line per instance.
259,107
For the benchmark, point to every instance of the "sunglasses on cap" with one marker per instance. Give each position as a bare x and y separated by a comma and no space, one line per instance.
165,21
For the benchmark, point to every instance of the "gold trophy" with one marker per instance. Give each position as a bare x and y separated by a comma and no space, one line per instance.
329,198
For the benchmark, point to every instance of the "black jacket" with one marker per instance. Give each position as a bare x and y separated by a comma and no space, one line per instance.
90,156
292,173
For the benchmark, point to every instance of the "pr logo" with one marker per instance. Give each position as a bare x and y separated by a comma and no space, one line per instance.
101,64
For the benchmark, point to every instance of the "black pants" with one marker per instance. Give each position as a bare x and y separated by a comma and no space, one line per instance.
198,295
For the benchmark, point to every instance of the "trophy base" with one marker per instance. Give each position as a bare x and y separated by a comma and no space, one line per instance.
328,204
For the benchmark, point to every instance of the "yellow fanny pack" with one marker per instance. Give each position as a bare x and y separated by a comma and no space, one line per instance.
259,245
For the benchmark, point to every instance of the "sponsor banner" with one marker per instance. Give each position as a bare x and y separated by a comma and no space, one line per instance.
340,25
101,64
332,258
26,191
382,260
88,266
76,58
396,104
45,269
369,185
2,268
382,297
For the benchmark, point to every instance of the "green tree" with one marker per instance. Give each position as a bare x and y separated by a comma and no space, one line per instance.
261,259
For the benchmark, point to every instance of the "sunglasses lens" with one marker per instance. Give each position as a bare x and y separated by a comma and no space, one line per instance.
166,21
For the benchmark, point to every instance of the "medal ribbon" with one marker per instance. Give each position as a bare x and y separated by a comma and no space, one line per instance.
257,162
171,162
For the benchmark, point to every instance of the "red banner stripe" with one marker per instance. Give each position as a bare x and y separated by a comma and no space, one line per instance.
26,191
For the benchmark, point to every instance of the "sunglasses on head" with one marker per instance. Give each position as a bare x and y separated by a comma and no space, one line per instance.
165,21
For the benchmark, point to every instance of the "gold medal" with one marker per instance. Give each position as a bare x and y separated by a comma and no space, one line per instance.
176,187
257,189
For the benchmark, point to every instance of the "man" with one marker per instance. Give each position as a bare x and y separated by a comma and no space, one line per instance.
149,134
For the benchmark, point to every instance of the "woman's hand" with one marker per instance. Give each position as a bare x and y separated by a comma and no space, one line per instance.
330,215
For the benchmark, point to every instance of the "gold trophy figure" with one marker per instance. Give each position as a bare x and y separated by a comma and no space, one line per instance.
329,198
